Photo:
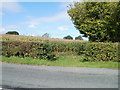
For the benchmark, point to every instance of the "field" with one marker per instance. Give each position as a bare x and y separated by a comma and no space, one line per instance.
58,52
33,38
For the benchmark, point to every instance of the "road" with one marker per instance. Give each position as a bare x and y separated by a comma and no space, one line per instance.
30,76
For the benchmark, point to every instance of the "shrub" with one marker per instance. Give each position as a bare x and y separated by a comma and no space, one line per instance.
68,37
100,52
27,49
13,32
78,38
46,35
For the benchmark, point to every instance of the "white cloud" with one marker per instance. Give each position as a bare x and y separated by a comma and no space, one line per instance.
77,33
32,26
2,30
12,26
35,21
11,7
63,28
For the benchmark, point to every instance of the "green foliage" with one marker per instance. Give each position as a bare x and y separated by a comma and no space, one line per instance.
78,38
50,49
115,23
64,46
46,35
27,49
68,37
93,19
67,61
13,32
100,52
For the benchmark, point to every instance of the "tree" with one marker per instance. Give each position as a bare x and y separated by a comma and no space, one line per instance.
46,35
13,32
68,37
93,19
115,21
78,38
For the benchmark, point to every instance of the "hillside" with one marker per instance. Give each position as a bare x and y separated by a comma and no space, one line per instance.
33,38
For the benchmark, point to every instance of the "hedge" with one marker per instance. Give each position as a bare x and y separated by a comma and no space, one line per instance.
46,50
100,52
27,49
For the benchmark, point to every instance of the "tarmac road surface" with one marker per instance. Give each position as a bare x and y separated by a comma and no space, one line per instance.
30,76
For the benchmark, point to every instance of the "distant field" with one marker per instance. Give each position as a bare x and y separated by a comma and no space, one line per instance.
33,38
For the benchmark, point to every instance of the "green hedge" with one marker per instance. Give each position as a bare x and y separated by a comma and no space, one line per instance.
62,46
47,49
100,52
27,49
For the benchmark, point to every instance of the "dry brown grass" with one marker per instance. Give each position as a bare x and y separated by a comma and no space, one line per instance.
33,38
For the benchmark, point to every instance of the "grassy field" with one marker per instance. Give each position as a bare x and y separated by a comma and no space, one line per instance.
65,60
33,38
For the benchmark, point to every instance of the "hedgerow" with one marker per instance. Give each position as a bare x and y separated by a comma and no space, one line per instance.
27,49
47,49
100,52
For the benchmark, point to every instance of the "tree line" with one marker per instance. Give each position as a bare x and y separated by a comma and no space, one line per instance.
47,35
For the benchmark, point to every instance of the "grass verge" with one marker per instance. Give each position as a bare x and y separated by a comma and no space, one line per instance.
64,60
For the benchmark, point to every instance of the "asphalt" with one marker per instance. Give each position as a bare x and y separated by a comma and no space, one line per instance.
30,76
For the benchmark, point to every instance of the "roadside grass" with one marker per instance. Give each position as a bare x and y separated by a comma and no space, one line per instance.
66,60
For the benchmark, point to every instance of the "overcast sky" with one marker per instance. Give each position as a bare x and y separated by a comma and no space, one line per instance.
37,18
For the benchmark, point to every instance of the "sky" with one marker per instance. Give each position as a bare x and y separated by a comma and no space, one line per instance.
37,18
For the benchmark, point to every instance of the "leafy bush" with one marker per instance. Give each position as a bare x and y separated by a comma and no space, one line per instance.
27,49
78,38
46,35
68,37
100,52
13,32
